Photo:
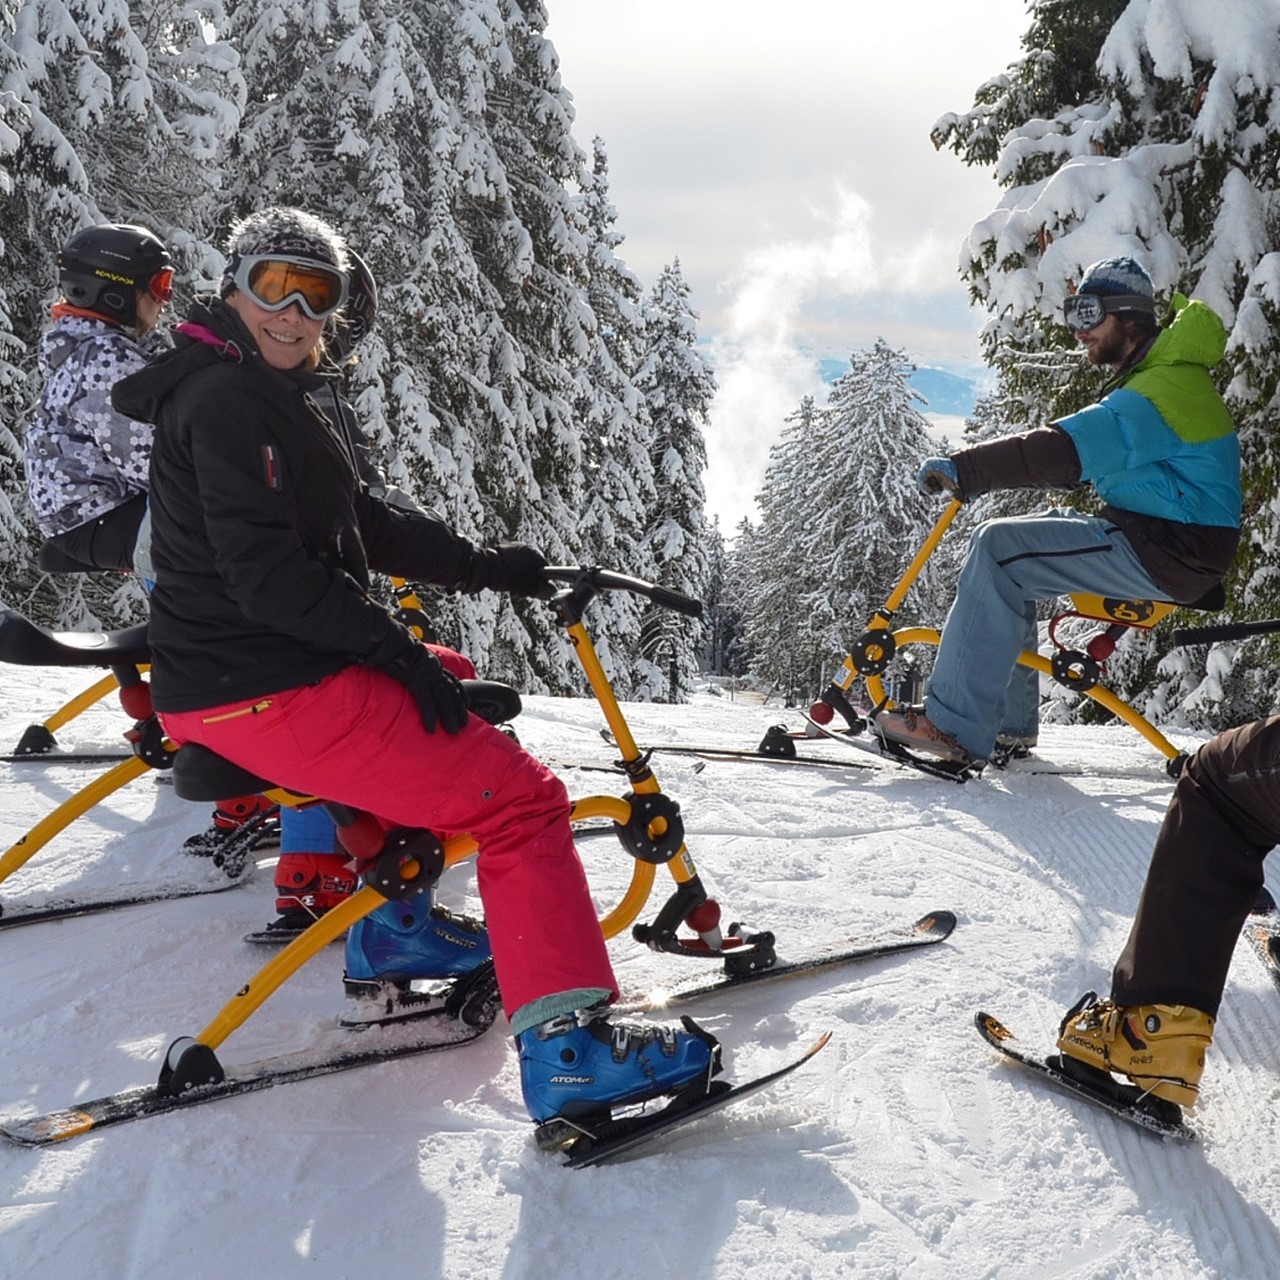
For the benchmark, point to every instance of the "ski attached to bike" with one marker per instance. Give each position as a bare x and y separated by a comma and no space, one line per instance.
604,1141
932,928
1124,1101
351,1050
763,754
778,747
93,902
226,865
64,757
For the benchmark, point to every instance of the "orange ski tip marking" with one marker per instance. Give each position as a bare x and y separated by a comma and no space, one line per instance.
68,1124
996,1028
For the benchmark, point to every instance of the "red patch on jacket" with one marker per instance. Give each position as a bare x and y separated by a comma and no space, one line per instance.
271,467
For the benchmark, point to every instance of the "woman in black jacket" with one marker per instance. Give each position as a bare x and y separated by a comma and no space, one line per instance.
267,648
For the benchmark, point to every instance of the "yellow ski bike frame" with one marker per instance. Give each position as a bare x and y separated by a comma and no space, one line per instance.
646,821
1077,669
125,653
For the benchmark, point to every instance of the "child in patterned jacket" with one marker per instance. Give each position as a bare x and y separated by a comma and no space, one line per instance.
86,463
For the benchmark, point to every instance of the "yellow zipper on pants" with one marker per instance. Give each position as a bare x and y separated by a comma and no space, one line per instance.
233,715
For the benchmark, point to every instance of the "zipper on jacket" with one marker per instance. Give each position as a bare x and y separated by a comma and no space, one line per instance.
233,715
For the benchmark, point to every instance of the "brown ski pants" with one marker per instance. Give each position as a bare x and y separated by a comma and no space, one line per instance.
1205,873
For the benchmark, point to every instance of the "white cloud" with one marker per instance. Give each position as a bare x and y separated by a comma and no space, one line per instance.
784,158
762,366
793,302
775,281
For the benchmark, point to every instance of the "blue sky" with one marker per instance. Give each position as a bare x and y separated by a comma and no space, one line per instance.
783,155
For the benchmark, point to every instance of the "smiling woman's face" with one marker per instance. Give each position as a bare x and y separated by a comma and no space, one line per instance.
285,338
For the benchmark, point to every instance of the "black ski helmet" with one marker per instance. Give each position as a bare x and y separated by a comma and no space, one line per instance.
102,268
356,319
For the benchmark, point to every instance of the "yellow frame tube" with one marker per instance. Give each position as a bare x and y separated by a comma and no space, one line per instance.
882,618
681,865
641,886
406,597
898,594
928,635
329,926
81,702
68,811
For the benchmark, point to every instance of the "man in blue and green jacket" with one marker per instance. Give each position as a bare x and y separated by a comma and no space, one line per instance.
1159,448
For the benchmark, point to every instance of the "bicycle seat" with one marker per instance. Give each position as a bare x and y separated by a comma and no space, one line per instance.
26,645
202,774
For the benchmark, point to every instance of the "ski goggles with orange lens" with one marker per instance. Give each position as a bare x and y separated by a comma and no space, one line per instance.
1085,311
276,281
160,286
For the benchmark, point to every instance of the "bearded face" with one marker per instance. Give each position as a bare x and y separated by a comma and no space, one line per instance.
1111,342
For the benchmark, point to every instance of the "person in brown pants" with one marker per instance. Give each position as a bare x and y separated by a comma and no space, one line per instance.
1204,878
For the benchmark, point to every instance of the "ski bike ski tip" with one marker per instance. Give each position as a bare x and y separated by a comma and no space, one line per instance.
353,1050
90,902
604,1140
928,930
1124,1101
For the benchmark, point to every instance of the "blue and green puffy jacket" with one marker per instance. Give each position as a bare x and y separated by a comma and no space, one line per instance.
1162,443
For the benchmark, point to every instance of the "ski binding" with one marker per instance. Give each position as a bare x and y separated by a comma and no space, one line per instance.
1126,1101
191,1074
590,1143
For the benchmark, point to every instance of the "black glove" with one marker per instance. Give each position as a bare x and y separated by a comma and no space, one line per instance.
440,696
517,568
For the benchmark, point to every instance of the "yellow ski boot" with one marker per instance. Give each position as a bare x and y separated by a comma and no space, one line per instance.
1159,1047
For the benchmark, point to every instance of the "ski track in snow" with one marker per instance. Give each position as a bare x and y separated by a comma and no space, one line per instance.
905,1149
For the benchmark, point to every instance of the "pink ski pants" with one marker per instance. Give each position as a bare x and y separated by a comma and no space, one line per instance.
356,738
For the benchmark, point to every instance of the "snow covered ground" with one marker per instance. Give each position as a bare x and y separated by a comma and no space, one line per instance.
905,1149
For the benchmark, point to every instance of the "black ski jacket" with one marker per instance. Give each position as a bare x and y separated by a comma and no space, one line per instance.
263,538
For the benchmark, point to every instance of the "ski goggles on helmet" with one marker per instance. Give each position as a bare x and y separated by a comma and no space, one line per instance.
276,281
160,286
1085,311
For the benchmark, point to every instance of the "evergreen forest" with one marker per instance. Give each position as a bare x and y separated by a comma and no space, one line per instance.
525,383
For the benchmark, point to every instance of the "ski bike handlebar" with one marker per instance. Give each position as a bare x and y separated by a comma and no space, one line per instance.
1227,631
607,580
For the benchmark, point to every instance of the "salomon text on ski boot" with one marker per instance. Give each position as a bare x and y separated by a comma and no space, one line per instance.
1159,1047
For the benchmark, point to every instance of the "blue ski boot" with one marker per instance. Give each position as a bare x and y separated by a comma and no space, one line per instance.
401,942
575,1067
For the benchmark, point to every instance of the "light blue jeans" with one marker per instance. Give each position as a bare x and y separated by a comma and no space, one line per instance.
977,689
